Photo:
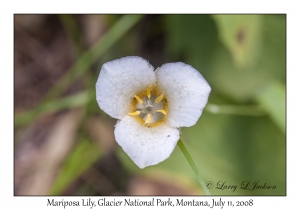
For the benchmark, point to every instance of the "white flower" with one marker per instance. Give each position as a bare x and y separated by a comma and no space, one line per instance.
150,105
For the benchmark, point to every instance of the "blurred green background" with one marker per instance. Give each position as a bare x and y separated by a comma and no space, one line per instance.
64,144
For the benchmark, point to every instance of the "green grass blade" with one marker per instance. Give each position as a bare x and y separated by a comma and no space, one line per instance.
72,32
75,100
82,157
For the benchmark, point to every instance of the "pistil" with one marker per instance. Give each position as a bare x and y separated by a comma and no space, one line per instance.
148,108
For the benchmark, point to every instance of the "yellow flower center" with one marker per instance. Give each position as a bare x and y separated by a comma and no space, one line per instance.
149,107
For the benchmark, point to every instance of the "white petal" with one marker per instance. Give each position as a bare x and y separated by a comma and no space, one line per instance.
186,92
119,81
145,146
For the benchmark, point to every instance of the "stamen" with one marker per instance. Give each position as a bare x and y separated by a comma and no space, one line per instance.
162,111
150,109
148,91
134,113
148,119
159,98
138,99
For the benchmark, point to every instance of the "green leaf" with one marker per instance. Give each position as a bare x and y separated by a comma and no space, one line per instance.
193,39
236,148
82,157
241,34
272,98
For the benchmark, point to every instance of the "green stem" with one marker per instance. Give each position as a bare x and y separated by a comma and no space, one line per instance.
193,165
246,110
